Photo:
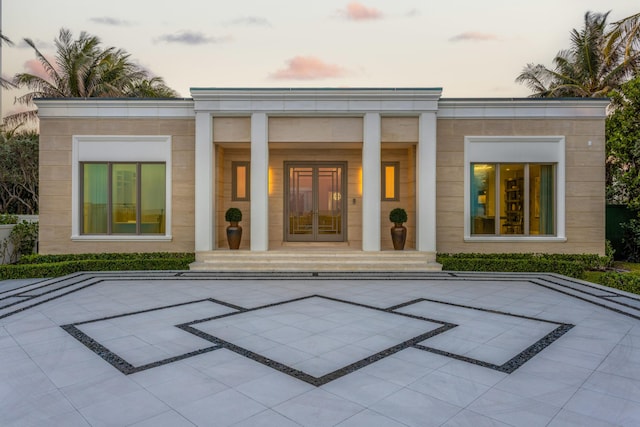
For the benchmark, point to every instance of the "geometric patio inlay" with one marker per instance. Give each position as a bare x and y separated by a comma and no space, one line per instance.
316,339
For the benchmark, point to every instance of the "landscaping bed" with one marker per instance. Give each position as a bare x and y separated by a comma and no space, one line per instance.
35,266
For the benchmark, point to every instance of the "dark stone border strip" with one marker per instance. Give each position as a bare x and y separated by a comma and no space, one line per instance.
486,310
608,307
2,316
310,379
160,275
118,362
40,285
301,375
24,286
516,361
126,368
148,310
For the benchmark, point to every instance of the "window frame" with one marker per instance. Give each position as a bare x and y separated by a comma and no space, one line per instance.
526,202
119,149
109,208
234,181
396,182
537,149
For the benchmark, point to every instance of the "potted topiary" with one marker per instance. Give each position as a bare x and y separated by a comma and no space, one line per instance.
398,216
234,231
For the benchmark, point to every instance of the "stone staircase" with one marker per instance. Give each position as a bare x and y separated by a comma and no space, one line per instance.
315,260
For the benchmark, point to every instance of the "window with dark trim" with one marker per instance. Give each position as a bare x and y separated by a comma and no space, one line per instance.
240,181
122,198
390,181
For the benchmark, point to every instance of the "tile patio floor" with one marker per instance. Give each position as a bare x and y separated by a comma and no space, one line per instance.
186,348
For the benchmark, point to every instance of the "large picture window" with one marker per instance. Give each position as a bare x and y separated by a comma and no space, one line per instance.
512,199
123,198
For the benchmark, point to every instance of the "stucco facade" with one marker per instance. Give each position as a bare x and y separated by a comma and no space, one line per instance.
438,146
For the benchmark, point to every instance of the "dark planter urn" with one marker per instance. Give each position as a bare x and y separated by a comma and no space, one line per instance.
398,236
234,235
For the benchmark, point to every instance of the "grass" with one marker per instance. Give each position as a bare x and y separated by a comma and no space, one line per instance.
628,277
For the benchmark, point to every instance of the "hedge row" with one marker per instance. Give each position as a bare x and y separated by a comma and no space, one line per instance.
589,261
123,263
573,265
43,259
568,268
624,281
33,266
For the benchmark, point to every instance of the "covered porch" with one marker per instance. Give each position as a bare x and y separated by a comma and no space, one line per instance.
255,149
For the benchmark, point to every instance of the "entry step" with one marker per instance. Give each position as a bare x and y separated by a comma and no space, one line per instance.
315,260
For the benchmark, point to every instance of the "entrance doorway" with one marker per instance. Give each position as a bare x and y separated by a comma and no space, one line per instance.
315,209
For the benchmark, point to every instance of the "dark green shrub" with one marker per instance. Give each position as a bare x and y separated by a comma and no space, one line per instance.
59,265
623,281
588,261
43,259
541,265
398,216
21,241
573,265
8,219
631,239
233,215
609,253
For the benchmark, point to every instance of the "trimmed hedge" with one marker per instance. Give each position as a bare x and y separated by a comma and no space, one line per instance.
572,265
36,266
624,281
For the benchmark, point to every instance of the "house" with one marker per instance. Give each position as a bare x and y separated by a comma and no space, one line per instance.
316,172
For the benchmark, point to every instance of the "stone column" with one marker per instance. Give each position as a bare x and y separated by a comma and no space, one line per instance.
204,185
426,184
259,182
371,167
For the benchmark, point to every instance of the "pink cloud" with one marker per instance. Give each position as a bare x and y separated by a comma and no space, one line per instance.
358,12
308,68
33,66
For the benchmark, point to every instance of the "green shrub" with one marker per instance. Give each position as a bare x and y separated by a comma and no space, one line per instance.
59,265
21,241
609,253
43,259
588,261
8,219
573,265
623,281
233,215
540,265
631,239
398,216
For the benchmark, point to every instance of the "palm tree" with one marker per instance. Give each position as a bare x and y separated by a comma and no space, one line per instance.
625,35
4,83
83,69
596,63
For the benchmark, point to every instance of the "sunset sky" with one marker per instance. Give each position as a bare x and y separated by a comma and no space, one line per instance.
470,48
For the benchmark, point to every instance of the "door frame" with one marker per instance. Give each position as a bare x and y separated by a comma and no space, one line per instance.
342,237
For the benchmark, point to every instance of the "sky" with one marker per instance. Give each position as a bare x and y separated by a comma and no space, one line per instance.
469,48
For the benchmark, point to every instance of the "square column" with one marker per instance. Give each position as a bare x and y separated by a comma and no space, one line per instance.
426,183
259,182
371,167
204,186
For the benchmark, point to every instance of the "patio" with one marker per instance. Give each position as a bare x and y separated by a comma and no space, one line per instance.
318,349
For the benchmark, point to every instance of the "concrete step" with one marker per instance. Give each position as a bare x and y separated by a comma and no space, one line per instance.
315,260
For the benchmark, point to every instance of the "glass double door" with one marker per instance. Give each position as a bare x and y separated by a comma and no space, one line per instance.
315,201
